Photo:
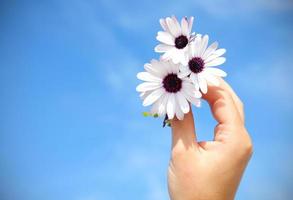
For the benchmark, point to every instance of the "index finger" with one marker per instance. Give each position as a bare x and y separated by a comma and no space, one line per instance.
222,105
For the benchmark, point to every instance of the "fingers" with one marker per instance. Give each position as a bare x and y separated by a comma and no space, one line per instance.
235,98
183,132
226,107
223,106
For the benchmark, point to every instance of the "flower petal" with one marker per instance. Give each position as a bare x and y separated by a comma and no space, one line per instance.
155,107
163,104
160,48
184,106
178,112
183,74
169,54
184,26
164,25
202,83
197,46
154,69
146,86
190,23
219,52
215,62
194,79
194,101
145,76
165,38
212,79
177,25
203,46
210,50
172,27
171,106
216,71
154,96
191,90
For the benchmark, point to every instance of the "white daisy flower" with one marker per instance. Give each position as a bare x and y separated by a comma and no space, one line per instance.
165,91
201,63
175,39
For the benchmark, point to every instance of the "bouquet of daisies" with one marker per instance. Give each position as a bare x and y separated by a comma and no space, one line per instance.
181,75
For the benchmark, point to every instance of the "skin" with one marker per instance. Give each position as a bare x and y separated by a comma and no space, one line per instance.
210,170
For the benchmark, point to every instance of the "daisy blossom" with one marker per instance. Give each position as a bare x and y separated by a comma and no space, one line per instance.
175,39
201,63
165,91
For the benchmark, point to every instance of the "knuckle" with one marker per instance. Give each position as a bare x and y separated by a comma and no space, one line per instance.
249,148
247,144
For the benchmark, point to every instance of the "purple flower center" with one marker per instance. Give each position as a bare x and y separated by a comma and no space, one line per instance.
181,42
172,83
196,65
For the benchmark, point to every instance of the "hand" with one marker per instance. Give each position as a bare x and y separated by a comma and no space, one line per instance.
210,170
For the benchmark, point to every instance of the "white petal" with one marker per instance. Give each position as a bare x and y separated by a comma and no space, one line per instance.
210,50
155,106
160,48
219,52
184,57
197,46
194,79
146,86
214,55
203,46
184,106
180,57
175,68
215,62
176,56
172,27
167,65
190,23
145,76
184,68
183,74
191,90
169,54
165,38
212,79
178,112
197,94
177,25
197,102
153,69
164,25
216,71
202,83
163,104
154,96
191,52
171,106
143,95
194,101
184,26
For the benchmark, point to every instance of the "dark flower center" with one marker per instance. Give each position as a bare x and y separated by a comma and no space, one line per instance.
172,83
181,42
196,65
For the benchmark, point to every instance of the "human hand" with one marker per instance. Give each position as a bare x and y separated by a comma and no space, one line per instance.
210,170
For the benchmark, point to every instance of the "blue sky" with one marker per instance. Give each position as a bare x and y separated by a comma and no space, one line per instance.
71,124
